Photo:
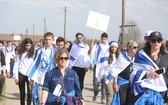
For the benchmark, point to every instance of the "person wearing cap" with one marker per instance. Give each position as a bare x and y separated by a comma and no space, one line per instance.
121,72
147,34
148,85
113,55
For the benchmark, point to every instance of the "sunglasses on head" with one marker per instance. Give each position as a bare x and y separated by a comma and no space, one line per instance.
65,58
158,40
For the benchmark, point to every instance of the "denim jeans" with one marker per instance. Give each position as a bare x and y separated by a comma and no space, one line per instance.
96,85
37,90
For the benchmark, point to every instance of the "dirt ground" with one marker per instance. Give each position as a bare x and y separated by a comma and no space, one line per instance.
11,94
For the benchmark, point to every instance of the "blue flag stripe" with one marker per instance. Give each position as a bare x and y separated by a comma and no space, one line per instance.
103,59
35,66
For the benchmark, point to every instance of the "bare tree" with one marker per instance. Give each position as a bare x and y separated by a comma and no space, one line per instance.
132,31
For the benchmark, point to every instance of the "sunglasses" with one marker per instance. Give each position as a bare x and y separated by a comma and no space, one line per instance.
158,40
65,58
134,47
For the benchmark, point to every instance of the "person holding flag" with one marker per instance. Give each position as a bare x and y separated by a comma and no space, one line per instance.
148,84
43,62
99,51
79,58
113,55
120,74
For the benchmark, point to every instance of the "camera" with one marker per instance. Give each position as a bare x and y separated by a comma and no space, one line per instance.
57,101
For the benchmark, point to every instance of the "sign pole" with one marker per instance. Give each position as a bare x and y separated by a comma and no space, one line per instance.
95,32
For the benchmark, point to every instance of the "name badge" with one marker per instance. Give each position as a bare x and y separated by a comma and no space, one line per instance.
57,90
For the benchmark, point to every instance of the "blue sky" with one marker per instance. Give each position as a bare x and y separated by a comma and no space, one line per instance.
19,15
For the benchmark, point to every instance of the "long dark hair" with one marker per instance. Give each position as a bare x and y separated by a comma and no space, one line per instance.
22,48
110,60
147,48
70,46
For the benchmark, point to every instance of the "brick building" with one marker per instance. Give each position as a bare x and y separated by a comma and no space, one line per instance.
19,37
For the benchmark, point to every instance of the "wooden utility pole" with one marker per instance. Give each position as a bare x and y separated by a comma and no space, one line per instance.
65,12
65,18
26,31
123,24
33,31
45,27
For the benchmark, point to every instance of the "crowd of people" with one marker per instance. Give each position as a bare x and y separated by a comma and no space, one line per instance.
53,72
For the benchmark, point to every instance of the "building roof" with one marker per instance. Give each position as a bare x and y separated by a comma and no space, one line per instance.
19,37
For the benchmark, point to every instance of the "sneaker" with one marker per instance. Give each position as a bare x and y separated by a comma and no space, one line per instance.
103,101
8,75
94,98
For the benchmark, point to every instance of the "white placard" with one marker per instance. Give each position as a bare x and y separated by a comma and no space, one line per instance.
54,41
17,37
97,21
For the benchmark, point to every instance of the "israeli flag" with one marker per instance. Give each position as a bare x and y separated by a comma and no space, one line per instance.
121,63
150,98
116,98
79,51
102,59
142,64
41,65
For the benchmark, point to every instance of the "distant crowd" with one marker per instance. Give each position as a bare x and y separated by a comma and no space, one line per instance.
53,74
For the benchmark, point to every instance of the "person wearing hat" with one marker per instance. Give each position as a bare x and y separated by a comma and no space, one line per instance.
150,86
147,34
121,72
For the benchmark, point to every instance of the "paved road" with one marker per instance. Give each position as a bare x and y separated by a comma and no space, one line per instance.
11,96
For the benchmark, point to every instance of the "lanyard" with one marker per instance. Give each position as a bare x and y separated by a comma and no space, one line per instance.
62,80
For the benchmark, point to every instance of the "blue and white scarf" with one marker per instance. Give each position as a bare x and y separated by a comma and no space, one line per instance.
9,49
142,64
41,65
121,63
79,49
150,97
116,99
101,60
